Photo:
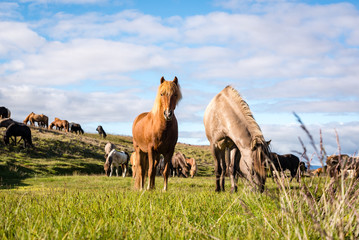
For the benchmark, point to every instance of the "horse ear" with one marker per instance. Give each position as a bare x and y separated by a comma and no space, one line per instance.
175,80
268,142
162,79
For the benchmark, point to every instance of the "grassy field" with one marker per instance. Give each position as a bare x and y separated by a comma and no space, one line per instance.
57,153
58,191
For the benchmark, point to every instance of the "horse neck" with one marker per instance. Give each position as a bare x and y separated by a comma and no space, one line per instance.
28,117
159,123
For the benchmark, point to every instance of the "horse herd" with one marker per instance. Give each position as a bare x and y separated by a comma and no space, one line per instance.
236,142
16,129
179,165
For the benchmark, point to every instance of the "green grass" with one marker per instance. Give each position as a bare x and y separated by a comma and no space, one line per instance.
98,207
57,153
58,191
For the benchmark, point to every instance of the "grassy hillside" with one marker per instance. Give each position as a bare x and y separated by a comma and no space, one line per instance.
60,153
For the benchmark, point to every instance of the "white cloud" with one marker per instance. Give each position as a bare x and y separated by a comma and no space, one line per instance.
17,38
82,59
128,25
289,57
118,106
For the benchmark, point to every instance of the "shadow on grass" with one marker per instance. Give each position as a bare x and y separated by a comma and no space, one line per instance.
12,175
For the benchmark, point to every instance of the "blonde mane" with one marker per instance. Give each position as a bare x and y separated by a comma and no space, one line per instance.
166,88
253,126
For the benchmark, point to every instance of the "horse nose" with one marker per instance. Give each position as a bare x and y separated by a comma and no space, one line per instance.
168,113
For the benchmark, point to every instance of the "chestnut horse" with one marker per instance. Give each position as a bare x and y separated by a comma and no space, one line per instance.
155,133
41,119
60,124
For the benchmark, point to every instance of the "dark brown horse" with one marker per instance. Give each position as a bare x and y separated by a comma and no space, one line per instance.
76,127
6,122
100,131
18,129
234,134
155,133
4,112
290,162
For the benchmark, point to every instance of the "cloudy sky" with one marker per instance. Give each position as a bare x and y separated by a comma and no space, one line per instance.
100,62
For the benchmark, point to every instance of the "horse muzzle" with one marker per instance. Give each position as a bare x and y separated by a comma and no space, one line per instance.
168,114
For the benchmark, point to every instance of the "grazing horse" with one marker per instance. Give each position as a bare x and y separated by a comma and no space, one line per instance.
41,119
338,163
193,166
155,133
4,112
100,131
317,171
18,129
179,165
108,148
6,122
60,124
234,134
76,127
291,162
115,159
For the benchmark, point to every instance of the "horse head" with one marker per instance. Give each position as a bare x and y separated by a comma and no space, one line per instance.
260,155
168,96
193,165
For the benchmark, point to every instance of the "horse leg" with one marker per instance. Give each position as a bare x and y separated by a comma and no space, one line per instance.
166,169
151,169
117,171
123,170
153,176
233,169
111,170
217,167
223,167
138,169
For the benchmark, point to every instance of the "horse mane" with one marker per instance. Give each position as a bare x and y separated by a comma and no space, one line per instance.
166,88
253,127
259,146
28,117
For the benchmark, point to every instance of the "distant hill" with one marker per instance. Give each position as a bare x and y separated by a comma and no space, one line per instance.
60,153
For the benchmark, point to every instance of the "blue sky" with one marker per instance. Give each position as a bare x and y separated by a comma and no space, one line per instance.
100,62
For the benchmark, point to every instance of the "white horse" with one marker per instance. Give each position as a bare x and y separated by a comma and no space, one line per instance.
116,158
